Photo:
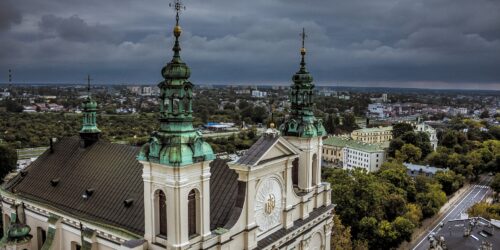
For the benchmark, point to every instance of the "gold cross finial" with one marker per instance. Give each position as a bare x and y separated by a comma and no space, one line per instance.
178,6
303,37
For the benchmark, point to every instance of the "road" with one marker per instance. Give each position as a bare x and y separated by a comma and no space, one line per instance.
476,194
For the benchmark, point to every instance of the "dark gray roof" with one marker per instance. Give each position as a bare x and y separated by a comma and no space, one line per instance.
482,231
111,170
115,175
227,195
258,149
422,168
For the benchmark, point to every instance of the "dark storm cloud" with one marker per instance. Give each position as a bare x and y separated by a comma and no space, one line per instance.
395,42
9,15
75,29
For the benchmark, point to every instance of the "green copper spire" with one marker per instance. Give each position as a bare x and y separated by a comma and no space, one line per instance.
301,121
176,143
89,109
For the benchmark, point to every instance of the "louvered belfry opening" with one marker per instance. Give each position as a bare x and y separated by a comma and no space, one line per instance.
295,172
192,212
162,203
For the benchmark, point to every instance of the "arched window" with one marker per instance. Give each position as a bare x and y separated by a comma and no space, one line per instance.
192,213
315,167
162,213
295,172
175,106
186,104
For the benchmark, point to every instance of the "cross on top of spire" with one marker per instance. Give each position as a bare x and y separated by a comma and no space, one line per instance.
303,34
88,84
178,6
303,49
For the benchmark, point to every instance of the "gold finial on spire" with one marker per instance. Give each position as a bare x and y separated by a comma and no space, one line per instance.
178,7
303,50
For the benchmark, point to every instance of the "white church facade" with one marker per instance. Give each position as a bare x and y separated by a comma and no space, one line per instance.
173,193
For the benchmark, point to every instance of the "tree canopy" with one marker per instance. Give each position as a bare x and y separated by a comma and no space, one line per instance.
8,160
383,208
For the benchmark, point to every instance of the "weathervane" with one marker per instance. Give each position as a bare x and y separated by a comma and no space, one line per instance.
303,34
178,7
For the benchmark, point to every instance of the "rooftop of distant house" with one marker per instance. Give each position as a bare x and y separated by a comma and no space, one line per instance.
422,168
375,129
337,141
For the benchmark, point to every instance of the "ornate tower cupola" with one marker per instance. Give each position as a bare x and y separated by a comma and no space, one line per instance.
89,132
301,121
303,130
176,162
177,142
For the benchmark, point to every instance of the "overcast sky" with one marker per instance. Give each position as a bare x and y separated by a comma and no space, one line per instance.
406,43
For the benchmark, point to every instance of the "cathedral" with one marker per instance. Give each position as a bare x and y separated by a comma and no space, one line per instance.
173,192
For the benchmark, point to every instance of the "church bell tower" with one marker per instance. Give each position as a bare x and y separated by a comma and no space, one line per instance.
303,130
176,162
89,133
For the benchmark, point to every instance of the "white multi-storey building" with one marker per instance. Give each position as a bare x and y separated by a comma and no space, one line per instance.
349,154
258,94
379,110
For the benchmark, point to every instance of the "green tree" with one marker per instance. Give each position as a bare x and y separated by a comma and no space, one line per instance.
413,213
399,129
394,206
8,160
13,106
329,124
349,122
409,153
451,138
495,184
485,210
409,137
495,132
404,228
259,114
432,200
341,235
395,145
484,114
450,181
437,158
395,173
423,142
